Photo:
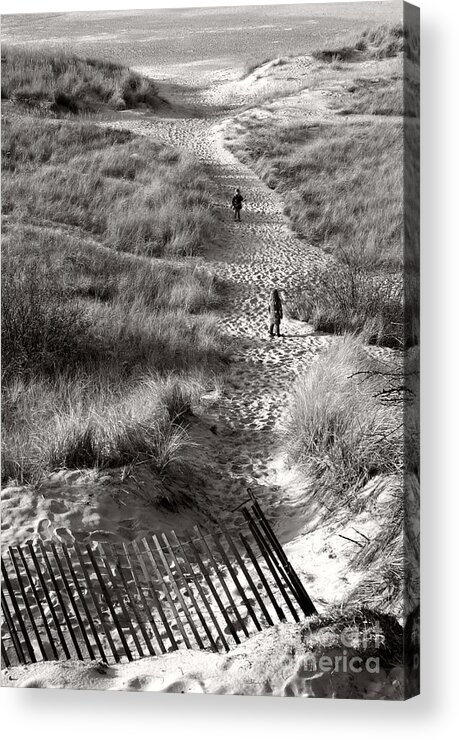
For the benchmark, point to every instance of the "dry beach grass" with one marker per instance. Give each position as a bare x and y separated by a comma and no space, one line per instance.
99,349
58,82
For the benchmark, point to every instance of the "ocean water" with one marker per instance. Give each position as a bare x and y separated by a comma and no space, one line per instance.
217,36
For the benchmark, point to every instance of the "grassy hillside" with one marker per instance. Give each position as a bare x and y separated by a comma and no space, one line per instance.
133,194
104,349
102,353
339,182
57,82
342,185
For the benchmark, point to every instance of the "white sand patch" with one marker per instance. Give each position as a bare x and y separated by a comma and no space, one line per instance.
282,661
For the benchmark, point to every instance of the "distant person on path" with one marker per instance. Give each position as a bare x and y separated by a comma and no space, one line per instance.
275,313
236,203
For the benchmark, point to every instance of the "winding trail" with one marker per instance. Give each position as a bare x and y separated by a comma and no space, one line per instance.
252,257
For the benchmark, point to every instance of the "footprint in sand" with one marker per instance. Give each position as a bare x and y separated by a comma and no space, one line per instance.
43,529
185,686
58,507
65,536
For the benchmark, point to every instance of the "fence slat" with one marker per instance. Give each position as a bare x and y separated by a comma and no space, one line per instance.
44,588
61,601
248,577
202,594
166,592
271,562
93,593
237,582
120,597
5,658
108,601
301,594
17,611
222,581
72,601
155,596
213,591
38,602
25,599
262,577
84,604
176,587
189,591
145,604
12,630
137,614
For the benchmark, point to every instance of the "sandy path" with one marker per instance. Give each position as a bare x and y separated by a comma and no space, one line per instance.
252,257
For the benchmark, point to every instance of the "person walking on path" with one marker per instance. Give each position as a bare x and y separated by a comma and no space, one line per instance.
236,203
275,313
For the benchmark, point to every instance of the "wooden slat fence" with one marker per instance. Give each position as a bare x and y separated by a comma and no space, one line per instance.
208,591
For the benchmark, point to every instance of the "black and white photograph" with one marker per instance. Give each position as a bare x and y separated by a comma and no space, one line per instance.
210,350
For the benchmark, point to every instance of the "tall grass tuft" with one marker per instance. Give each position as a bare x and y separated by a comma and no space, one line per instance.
58,82
104,421
345,423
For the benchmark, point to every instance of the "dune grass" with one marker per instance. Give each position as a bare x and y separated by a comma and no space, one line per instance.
253,64
133,194
341,183
350,300
381,97
58,82
74,420
105,350
69,303
103,354
381,42
352,418
394,95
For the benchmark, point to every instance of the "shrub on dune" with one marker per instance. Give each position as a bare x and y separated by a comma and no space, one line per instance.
342,298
